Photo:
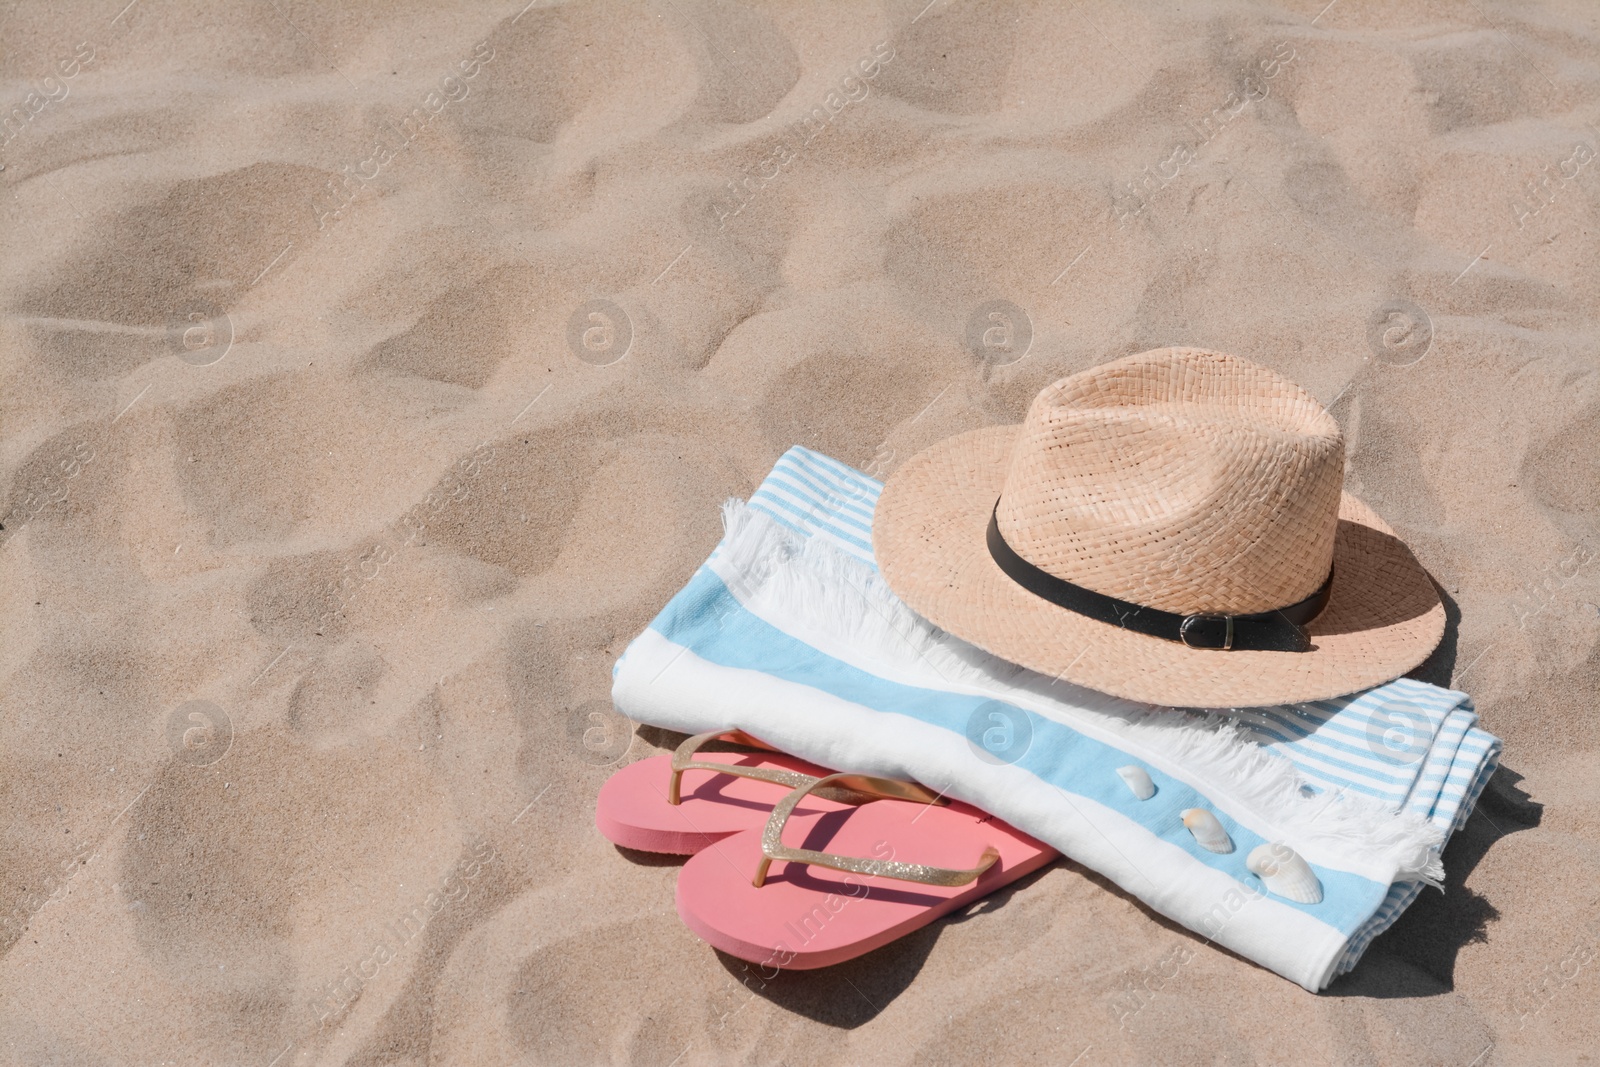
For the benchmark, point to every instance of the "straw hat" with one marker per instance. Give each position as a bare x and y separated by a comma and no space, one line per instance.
1169,527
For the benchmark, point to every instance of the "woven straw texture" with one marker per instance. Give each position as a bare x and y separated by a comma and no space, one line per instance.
1181,479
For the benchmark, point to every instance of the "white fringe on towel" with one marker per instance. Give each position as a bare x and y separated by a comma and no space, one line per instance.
835,602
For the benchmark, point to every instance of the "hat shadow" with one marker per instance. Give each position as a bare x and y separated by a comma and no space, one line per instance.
1416,956
1440,667
1421,947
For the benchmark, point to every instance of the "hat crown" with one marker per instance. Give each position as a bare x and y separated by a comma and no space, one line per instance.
1179,479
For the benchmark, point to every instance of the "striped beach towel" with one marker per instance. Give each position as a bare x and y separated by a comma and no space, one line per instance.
789,632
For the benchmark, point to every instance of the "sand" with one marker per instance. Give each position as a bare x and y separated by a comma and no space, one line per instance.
374,373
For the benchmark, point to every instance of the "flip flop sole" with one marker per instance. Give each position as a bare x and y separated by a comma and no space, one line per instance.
632,809
806,916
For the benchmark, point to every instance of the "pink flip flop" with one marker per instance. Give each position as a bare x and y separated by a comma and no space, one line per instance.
754,897
681,804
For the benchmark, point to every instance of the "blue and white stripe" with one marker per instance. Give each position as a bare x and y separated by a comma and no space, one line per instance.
1409,744
816,496
716,658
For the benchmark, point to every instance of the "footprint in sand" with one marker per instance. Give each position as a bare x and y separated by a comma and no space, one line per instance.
1482,81
611,496
336,700
553,64
842,387
1561,472
107,307
66,479
559,675
278,456
73,702
745,63
954,59
952,252
242,877
601,510
1385,458
577,1001
464,335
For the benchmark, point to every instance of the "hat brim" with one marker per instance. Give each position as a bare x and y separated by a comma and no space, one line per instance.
1383,617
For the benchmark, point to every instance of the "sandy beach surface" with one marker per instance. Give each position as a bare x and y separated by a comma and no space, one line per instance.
373,373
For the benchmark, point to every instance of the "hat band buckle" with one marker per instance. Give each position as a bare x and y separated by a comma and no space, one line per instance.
1193,623
1275,630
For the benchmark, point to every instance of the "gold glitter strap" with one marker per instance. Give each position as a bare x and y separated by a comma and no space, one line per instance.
773,848
683,760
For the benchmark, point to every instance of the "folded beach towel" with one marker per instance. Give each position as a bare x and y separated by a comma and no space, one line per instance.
789,632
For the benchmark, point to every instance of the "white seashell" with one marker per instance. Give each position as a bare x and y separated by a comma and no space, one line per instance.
1138,781
1207,830
1285,873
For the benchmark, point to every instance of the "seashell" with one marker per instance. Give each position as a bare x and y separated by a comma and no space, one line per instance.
1207,830
1285,873
1138,781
